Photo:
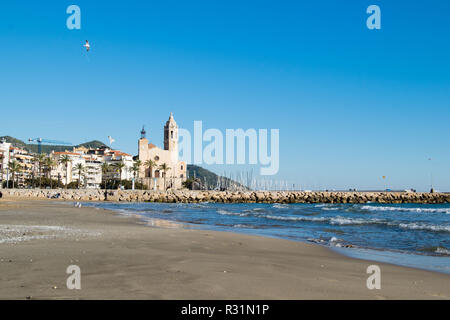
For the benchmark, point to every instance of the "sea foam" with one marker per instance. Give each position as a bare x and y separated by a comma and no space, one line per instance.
405,209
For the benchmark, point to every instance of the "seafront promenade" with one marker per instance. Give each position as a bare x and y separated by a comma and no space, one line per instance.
226,196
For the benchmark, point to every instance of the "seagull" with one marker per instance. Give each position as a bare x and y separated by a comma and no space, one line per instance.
87,45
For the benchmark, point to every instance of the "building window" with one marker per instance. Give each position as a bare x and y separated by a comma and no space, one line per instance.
181,176
157,174
171,134
156,158
181,167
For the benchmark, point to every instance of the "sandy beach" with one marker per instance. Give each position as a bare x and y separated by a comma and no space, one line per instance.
120,257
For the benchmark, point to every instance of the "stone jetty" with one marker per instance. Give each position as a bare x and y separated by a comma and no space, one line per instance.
226,196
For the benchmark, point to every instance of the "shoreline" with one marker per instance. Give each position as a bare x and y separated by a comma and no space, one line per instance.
386,255
130,260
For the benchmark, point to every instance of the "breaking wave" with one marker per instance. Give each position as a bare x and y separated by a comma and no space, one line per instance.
443,251
424,226
339,220
405,209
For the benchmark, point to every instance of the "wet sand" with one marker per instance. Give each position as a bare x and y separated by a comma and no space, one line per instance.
122,258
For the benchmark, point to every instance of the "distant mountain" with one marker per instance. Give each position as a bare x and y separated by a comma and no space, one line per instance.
211,179
92,144
15,142
49,148
194,171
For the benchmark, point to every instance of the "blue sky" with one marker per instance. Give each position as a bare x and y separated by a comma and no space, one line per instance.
351,104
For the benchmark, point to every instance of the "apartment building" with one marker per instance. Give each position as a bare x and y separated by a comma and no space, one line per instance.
26,162
91,160
66,172
93,172
4,160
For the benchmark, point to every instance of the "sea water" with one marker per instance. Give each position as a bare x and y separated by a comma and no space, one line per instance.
415,235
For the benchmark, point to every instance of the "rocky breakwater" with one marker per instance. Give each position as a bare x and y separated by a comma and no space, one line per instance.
227,196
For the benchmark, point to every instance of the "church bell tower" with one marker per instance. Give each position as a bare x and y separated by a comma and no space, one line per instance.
171,134
171,138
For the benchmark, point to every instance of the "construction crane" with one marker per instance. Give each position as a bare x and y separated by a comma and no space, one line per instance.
41,141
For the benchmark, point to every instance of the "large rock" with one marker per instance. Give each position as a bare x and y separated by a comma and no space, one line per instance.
226,196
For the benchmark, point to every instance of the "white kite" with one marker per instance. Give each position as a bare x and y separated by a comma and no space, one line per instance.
87,45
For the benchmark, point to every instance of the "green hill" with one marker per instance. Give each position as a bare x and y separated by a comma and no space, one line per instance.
202,174
210,179
49,148
15,142
92,144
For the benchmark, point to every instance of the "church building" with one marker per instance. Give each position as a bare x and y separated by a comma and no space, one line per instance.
161,169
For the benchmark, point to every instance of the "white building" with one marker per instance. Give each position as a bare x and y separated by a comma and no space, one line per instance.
91,160
67,173
93,172
4,160
112,157
26,162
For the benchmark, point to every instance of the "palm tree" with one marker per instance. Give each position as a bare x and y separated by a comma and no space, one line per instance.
164,167
150,164
132,170
65,160
105,170
2,170
136,168
80,168
138,164
14,167
118,166
50,164
40,159
1,174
